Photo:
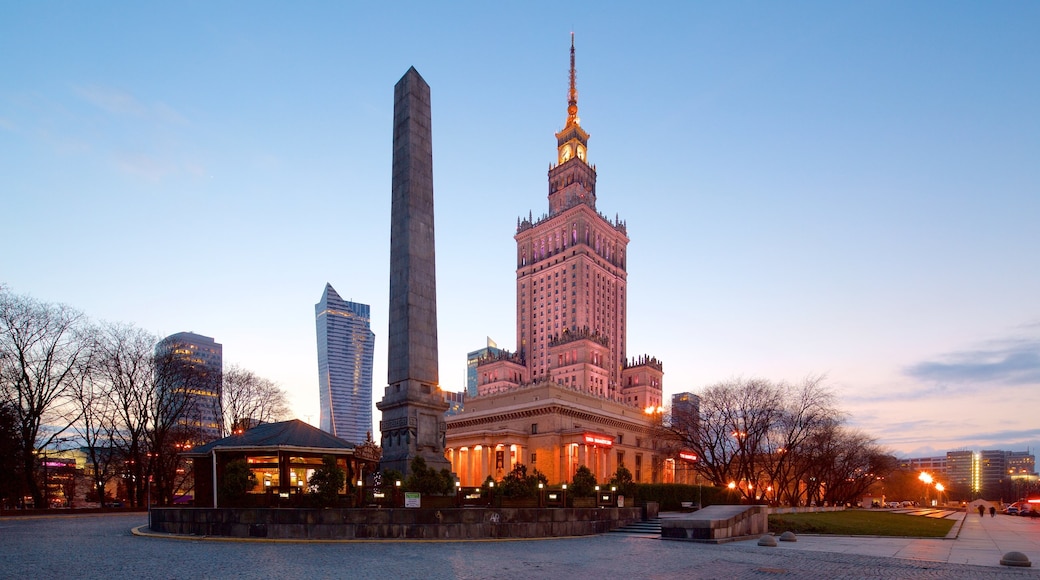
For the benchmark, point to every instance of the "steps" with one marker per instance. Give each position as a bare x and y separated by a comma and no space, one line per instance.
647,529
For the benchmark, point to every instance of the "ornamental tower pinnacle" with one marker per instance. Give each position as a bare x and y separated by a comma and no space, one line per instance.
572,180
572,95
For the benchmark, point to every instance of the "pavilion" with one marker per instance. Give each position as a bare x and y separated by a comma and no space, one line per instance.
282,457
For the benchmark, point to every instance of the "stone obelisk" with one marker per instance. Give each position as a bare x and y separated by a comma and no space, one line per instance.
412,406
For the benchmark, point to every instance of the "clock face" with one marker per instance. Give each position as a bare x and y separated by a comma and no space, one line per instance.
581,153
565,154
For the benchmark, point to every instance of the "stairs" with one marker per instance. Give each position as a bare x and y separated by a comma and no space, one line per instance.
647,529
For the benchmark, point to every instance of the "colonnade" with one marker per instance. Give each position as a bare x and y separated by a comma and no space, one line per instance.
474,463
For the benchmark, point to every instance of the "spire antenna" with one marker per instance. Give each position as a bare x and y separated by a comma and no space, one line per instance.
572,94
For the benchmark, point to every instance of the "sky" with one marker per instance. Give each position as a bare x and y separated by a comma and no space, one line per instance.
810,188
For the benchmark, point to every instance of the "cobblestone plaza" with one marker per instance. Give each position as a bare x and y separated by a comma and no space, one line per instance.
103,547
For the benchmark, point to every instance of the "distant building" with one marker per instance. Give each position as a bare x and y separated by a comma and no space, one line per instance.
192,365
932,465
962,474
686,410
473,360
686,406
345,350
992,474
456,402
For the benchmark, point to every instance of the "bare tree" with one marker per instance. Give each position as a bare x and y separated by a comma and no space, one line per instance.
12,484
125,360
845,464
177,419
41,352
98,419
247,397
777,442
728,436
808,408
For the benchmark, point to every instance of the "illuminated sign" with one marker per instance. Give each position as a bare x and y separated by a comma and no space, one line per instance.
601,440
688,455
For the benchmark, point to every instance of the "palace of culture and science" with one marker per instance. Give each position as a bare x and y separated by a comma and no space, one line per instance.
569,395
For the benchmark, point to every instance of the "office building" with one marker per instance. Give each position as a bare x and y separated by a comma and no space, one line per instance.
473,360
190,368
345,351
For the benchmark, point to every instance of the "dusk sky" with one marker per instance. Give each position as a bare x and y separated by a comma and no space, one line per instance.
840,188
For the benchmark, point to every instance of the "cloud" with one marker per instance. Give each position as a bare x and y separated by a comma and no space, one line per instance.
113,100
142,165
1010,362
124,104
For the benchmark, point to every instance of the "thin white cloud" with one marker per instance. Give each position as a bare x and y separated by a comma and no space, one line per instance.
143,165
112,100
121,103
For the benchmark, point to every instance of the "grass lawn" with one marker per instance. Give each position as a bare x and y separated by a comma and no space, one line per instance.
861,523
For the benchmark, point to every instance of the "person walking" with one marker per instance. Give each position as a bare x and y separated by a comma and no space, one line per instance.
992,512
982,510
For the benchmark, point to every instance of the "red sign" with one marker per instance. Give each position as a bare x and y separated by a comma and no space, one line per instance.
688,455
600,440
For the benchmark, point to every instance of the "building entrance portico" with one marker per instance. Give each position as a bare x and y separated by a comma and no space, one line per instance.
475,462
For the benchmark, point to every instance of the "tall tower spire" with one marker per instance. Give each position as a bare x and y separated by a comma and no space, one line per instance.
572,94
572,180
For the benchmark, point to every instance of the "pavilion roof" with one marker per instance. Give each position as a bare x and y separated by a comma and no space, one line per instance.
294,434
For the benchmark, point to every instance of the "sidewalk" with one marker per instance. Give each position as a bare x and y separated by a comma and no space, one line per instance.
982,541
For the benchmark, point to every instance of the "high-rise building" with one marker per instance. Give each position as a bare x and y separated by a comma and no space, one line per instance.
571,302
473,360
190,368
345,350
569,395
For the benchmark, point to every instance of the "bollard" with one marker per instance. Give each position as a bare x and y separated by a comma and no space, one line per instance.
1015,559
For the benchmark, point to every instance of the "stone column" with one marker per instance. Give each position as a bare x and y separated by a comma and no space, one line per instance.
413,406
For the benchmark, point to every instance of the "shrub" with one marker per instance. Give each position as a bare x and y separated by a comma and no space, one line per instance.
428,481
622,479
584,483
517,483
238,480
326,481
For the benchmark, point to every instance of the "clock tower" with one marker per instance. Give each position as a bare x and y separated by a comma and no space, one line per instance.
572,180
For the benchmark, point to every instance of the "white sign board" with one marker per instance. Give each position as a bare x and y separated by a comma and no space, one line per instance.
411,499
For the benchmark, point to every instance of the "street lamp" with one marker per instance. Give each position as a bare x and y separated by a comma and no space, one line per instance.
925,478
940,488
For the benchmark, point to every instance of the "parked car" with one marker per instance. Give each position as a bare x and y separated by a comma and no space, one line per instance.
893,504
1012,510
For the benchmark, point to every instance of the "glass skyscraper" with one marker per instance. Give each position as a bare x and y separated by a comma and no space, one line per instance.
345,345
192,365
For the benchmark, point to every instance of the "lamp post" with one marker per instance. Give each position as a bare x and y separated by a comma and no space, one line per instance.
925,478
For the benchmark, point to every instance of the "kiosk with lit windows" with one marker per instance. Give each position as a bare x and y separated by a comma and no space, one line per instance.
282,457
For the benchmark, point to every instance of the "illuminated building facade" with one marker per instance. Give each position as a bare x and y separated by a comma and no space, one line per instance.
346,346
990,474
193,364
569,395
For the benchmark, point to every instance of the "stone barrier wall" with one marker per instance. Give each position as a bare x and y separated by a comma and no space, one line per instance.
398,523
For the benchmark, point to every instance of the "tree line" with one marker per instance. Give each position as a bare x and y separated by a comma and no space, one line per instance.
67,381
779,443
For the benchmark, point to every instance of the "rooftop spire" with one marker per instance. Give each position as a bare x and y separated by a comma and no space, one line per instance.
572,94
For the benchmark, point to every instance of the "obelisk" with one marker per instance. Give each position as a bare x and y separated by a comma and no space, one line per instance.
412,406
